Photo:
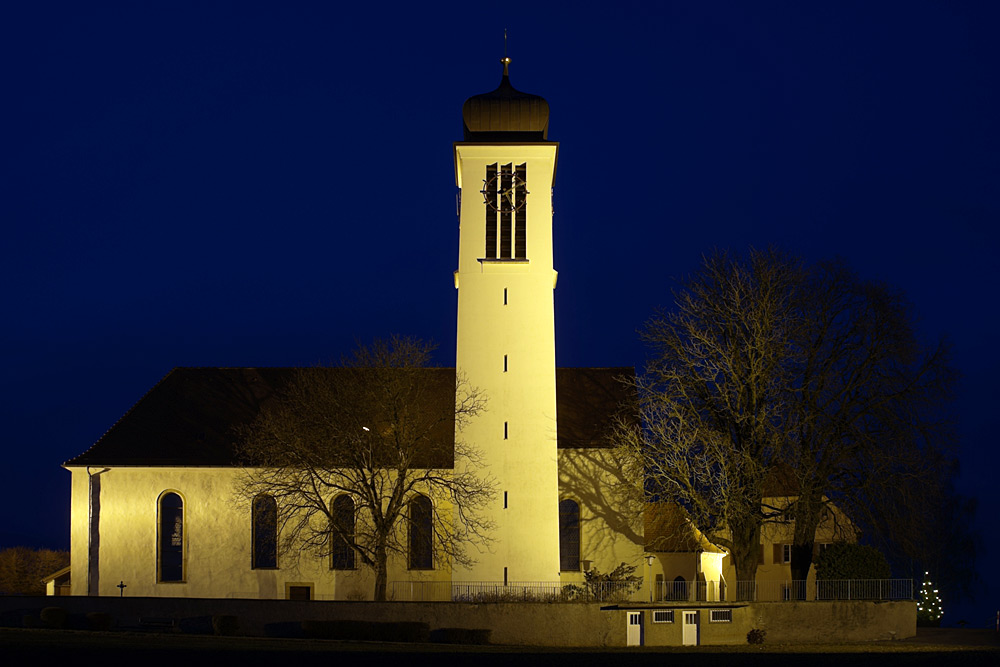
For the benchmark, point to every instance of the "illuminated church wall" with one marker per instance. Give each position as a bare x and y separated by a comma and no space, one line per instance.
216,542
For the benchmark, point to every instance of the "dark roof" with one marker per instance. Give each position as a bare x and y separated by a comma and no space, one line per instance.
191,416
505,115
587,400
666,528
781,481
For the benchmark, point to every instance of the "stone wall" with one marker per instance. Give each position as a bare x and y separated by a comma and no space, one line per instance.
534,624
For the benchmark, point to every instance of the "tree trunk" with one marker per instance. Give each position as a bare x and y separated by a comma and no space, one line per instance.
381,572
746,556
807,513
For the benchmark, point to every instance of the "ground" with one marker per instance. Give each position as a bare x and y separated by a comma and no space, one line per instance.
932,647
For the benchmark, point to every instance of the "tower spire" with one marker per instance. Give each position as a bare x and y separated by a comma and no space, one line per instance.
505,60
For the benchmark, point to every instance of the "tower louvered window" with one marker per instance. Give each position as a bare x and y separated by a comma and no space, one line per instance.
505,194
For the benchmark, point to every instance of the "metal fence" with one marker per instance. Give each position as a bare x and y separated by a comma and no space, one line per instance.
516,591
830,589
679,591
639,591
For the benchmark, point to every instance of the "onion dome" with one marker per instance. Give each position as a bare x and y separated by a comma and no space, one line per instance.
506,114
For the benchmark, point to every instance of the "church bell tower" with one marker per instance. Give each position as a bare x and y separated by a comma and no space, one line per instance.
506,336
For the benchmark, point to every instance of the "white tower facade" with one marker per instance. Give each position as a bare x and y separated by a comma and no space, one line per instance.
506,335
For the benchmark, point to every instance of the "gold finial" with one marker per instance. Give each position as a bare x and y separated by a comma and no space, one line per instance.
505,60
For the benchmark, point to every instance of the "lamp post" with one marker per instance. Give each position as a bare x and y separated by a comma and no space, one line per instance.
649,562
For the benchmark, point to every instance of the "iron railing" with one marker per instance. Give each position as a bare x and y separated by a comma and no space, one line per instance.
639,591
516,591
824,589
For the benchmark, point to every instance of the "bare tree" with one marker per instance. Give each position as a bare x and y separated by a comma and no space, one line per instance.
867,425
379,430
713,398
769,369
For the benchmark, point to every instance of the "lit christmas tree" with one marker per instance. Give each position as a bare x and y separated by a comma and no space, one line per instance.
929,609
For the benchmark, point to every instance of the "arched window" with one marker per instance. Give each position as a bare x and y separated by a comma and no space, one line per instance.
265,532
170,541
680,589
569,535
341,553
421,530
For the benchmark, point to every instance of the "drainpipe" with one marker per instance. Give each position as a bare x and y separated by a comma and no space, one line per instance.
93,568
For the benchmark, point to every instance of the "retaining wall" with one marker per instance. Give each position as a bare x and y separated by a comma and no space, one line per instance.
535,624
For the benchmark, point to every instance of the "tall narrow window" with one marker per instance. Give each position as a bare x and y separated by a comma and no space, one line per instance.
505,296
505,430
342,553
521,212
569,535
421,531
170,554
492,197
265,532
506,210
505,363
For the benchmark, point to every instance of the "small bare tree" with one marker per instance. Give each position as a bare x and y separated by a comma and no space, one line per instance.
379,429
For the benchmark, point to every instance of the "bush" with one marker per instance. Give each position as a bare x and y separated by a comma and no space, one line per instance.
53,617
616,586
225,625
98,620
756,636
851,561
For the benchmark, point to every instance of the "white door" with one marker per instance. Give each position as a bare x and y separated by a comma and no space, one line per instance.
634,634
689,636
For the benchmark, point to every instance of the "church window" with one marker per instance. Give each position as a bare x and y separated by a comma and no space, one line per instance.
505,363
170,541
421,533
342,553
505,430
569,535
679,591
505,296
265,532
506,213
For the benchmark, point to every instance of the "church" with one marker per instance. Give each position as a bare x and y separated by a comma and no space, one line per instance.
152,500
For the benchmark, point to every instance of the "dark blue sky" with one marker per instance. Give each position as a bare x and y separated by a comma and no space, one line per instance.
231,184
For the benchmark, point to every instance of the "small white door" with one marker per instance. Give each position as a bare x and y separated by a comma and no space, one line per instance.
689,636
634,633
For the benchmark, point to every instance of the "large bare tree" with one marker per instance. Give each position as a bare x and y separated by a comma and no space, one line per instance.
378,430
768,369
713,398
868,425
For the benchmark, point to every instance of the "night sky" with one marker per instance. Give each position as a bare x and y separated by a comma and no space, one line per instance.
232,184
